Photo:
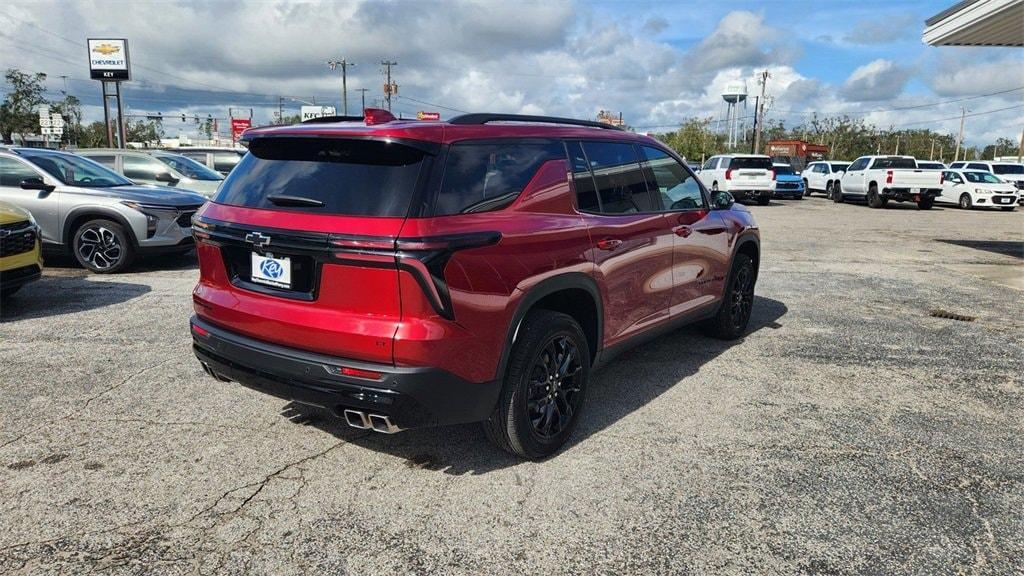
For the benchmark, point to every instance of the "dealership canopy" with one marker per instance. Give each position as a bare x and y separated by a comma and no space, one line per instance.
977,23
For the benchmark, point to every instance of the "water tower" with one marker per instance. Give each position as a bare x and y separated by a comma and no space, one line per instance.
734,93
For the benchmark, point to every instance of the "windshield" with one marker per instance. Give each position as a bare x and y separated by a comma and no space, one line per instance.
838,167
189,167
1008,168
784,171
982,177
931,166
76,170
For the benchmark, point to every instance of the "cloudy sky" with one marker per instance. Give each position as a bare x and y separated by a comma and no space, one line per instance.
656,62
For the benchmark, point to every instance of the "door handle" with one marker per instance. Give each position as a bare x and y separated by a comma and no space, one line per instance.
683,231
609,244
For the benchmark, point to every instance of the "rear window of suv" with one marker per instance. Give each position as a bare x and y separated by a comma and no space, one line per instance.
325,176
750,163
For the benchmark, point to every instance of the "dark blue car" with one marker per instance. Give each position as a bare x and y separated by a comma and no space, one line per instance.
788,183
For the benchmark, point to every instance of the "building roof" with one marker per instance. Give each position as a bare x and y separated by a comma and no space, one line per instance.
977,23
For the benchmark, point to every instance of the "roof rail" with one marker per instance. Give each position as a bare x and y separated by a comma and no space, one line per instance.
324,119
484,118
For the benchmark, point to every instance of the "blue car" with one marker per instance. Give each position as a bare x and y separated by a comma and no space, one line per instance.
788,182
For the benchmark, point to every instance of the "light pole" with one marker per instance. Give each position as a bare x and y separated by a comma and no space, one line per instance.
344,64
363,91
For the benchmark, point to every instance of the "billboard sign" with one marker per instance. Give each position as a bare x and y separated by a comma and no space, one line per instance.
430,116
311,112
108,59
239,125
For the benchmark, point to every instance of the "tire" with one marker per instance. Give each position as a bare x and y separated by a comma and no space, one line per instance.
965,201
734,313
828,190
837,193
523,421
103,247
763,201
926,203
8,292
807,189
874,200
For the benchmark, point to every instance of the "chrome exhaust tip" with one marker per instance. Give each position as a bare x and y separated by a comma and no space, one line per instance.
357,419
383,424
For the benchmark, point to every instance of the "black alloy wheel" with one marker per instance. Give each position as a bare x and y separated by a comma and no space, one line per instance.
555,391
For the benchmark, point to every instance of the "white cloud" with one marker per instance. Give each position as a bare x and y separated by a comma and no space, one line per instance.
878,80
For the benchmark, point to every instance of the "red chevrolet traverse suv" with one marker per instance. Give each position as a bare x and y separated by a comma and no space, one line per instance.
404,274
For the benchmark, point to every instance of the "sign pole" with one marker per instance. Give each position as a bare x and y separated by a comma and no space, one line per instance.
106,116
120,118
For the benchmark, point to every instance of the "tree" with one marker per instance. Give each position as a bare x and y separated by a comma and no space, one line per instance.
1001,147
145,131
18,112
70,108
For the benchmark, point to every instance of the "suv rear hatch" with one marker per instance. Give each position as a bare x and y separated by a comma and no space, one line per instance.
751,173
294,249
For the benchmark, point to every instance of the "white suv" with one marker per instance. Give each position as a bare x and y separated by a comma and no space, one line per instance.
745,176
821,175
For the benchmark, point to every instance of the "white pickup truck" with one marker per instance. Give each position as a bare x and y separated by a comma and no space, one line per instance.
879,179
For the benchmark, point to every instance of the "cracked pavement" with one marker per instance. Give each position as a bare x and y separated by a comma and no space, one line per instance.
849,433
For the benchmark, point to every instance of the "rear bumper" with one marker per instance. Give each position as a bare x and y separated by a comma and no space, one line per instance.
751,194
906,195
412,397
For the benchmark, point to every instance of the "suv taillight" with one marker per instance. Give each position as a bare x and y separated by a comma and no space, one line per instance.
888,176
728,174
772,172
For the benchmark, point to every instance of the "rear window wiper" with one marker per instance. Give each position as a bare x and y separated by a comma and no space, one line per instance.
285,200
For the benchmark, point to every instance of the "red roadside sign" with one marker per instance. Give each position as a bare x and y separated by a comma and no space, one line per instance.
239,125
431,116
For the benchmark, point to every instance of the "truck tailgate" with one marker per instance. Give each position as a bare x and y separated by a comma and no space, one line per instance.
906,178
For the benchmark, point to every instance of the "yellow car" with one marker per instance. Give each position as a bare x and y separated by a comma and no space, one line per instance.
21,259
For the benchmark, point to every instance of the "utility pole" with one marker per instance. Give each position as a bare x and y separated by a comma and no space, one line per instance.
363,94
931,153
334,64
760,115
280,109
960,137
1020,151
389,88
757,124
897,152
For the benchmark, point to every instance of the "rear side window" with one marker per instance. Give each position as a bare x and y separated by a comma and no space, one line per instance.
325,176
482,176
1008,168
225,161
586,193
106,159
621,187
750,163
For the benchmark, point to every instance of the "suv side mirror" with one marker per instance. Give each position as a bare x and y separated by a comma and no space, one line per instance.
36,183
166,177
722,201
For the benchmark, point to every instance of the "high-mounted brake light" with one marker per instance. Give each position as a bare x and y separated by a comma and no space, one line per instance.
728,174
888,176
374,116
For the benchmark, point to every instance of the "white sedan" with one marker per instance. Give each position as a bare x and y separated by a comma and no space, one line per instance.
974,188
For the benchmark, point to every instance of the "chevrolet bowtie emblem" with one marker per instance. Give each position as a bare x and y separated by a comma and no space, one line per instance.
107,49
258,240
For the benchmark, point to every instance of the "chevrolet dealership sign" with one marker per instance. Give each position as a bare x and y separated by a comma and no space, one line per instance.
108,59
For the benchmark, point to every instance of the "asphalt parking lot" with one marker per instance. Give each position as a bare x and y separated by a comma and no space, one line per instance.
850,433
